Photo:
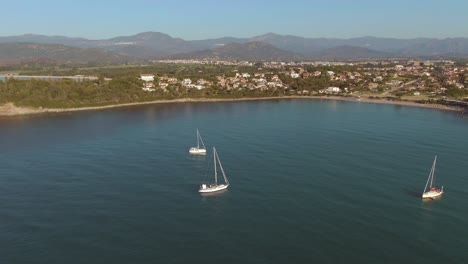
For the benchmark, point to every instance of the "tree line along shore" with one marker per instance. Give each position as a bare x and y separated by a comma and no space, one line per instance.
175,82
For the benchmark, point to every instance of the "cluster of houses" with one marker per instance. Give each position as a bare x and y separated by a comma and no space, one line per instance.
148,84
408,76
419,77
247,81
165,81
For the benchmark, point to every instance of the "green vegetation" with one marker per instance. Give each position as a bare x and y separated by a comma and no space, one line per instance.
67,93
309,84
125,87
456,93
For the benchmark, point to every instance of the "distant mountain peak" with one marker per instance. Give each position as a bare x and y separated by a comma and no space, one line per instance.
151,35
30,35
270,34
144,36
267,36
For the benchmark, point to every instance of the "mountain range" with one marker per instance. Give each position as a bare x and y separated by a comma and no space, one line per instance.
156,45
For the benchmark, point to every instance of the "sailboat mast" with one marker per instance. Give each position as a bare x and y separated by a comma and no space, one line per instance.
214,159
429,178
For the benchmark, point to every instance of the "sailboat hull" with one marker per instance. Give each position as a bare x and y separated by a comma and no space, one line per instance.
212,188
432,194
197,151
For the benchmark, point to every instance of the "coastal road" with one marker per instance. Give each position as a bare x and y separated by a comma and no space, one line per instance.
47,77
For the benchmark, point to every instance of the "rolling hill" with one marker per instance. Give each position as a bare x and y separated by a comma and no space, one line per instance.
20,52
257,51
351,53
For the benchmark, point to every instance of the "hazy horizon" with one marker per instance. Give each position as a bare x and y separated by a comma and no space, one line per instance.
209,19
219,37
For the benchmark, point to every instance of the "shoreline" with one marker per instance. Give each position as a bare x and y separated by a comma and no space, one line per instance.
9,109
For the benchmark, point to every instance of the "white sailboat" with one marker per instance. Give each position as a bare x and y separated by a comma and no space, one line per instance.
210,188
197,150
432,192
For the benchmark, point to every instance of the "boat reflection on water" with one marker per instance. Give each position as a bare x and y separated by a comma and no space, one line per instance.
196,157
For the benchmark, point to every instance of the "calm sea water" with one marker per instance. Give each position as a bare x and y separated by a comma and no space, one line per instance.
311,182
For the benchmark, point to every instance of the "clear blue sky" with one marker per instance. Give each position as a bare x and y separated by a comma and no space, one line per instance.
200,19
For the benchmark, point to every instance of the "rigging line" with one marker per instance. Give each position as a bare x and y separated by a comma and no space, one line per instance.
198,139
207,168
201,139
430,173
222,170
433,170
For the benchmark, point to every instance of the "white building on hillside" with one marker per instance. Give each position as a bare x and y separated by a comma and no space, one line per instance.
186,82
333,89
295,75
147,77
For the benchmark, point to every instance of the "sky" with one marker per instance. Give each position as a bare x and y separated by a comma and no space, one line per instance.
203,19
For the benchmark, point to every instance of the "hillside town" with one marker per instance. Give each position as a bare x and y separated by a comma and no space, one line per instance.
408,79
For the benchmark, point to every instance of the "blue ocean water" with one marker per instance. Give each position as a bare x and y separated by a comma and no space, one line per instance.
311,182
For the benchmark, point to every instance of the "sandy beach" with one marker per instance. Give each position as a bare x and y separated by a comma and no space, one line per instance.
9,109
